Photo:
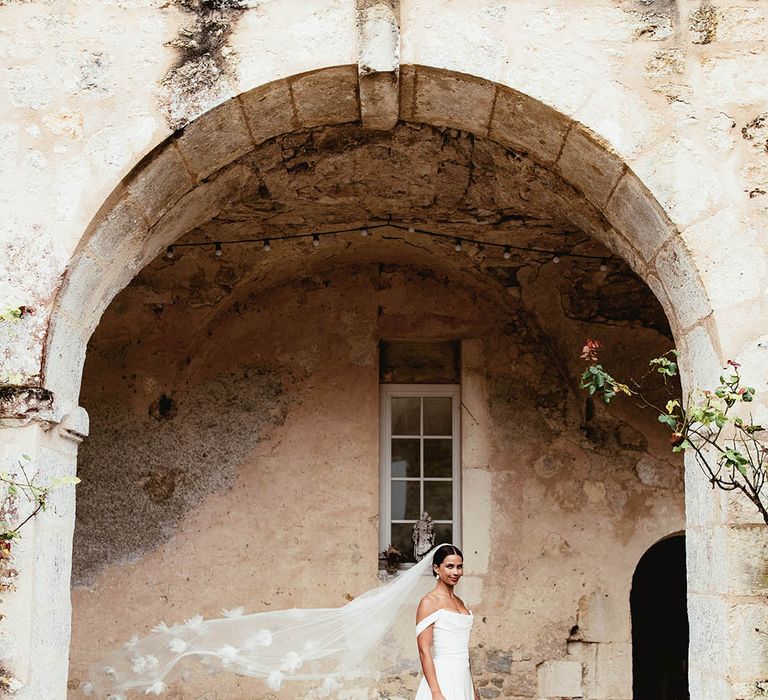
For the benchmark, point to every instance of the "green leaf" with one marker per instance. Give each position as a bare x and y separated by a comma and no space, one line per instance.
672,405
26,456
668,420
61,480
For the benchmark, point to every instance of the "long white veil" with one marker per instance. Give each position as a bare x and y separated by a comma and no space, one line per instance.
328,645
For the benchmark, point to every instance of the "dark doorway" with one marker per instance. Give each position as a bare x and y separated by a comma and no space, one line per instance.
660,623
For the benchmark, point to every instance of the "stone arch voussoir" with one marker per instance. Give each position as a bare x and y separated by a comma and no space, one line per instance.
194,172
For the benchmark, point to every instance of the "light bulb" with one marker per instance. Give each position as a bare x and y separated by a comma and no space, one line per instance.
457,245
364,232
315,240
169,252
603,266
411,229
217,250
267,246
507,253
556,259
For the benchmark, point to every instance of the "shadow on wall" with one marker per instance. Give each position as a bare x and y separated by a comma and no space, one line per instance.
186,446
660,623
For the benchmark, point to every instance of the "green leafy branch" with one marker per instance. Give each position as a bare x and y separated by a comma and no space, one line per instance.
729,448
18,486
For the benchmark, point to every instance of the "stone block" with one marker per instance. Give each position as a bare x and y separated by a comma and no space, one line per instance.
526,125
123,225
83,280
453,100
705,550
407,92
748,637
64,360
747,557
328,96
622,117
728,235
681,279
498,661
619,245
194,209
613,671
636,215
477,496
742,24
159,182
602,618
590,166
586,654
379,100
703,684
269,111
560,679
215,139
700,365
708,624
736,78
681,178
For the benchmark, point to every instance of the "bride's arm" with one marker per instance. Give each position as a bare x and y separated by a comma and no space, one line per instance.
424,641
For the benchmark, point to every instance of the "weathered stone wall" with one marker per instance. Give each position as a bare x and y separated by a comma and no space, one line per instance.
230,426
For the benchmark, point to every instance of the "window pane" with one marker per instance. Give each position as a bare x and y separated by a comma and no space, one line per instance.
401,539
405,500
438,458
443,533
405,457
406,419
438,499
438,416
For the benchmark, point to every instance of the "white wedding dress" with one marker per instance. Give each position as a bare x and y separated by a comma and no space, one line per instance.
450,651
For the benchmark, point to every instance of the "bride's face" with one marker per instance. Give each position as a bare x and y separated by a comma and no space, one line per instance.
451,569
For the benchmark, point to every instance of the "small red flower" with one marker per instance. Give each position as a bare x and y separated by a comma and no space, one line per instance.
589,351
733,363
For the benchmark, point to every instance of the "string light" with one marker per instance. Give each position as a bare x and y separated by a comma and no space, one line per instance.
458,243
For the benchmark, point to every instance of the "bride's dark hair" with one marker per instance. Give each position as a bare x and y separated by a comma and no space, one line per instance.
443,551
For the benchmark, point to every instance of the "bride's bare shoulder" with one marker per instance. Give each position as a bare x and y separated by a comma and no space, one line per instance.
427,605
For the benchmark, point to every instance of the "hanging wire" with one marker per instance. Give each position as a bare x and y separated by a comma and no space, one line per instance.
458,242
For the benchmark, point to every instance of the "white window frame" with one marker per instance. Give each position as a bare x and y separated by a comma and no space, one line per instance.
389,391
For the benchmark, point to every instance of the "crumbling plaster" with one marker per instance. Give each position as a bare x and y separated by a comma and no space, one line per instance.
532,559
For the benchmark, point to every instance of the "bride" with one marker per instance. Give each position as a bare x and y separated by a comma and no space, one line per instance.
443,624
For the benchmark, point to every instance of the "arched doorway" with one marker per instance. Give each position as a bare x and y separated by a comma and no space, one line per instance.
542,200
660,623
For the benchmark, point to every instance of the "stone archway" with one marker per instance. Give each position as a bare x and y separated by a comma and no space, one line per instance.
198,172
182,181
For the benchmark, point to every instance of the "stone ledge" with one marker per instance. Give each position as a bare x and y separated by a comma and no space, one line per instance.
24,402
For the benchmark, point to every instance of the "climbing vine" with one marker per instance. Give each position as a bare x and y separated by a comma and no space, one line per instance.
713,424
